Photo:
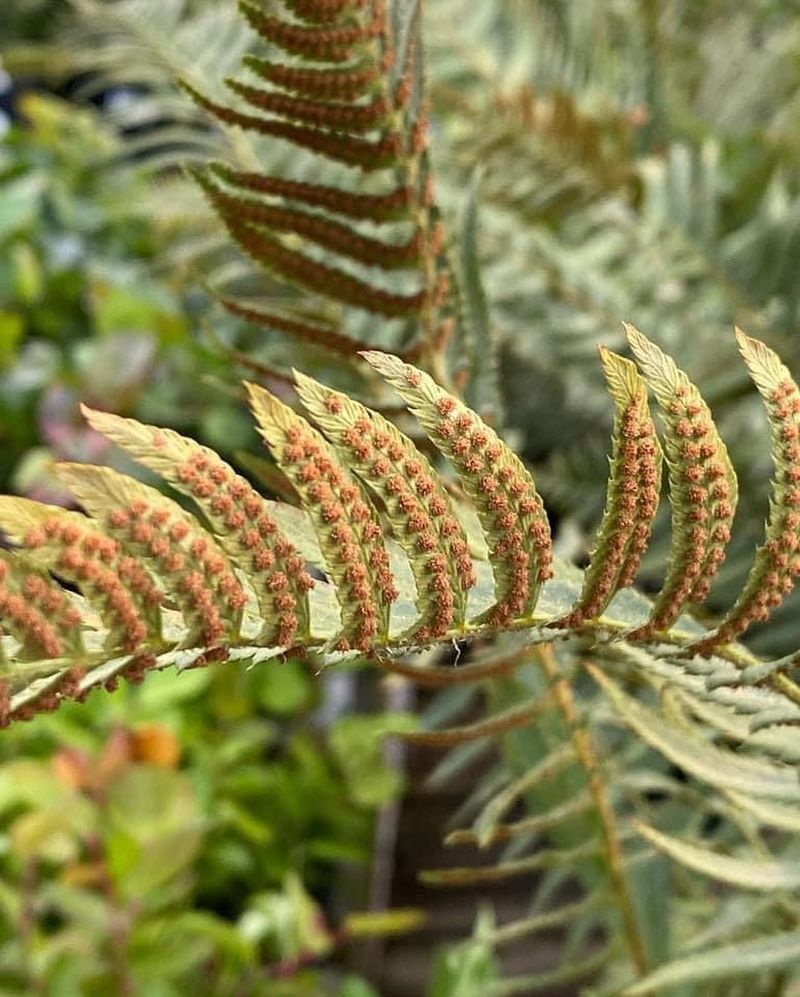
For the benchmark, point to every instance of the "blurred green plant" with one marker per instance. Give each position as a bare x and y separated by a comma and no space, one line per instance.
29,20
165,838
84,310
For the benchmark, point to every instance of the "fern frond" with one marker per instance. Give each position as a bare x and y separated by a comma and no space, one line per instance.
366,154
775,565
340,116
37,613
536,824
329,235
239,518
293,326
703,485
419,512
393,573
116,585
767,952
189,565
319,44
488,821
339,84
763,876
547,859
717,767
370,207
499,723
359,103
632,497
160,578
361,224
503,491
334,282
346,523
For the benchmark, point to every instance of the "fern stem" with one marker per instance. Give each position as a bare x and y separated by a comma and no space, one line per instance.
506,934
436,678
786,685
520,985
534,824
584,749
516,716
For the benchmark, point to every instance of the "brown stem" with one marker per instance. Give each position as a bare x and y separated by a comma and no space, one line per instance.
584,749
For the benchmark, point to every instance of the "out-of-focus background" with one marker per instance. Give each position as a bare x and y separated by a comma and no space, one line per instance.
636,160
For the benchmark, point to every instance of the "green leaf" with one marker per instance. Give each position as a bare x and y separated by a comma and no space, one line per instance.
119,308
196,935
357,745
31,783
28,276
54,834
704,761
140,868
287,689
749,874
467,970
288,923
19,203
148,802
483,388
768,952
11,330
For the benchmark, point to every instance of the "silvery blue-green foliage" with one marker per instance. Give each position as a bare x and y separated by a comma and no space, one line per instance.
625,171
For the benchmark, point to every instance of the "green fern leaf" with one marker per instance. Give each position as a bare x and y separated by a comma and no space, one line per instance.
703,487
749,874
419,511
347,527
769,952
239,518
503,491
632,497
